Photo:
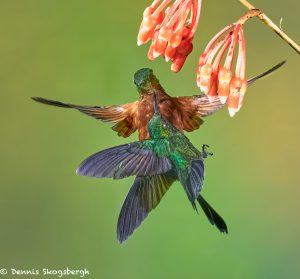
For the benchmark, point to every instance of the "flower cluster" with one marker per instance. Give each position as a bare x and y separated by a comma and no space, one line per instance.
171,27
216,80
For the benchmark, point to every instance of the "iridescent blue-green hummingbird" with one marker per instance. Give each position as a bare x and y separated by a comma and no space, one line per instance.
166,157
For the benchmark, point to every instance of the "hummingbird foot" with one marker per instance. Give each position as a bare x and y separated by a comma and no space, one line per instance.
205,152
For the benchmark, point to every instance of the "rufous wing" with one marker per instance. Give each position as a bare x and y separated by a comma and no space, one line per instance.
120,115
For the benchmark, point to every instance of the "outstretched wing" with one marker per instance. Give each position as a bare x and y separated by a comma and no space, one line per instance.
199,105
120,115
192,180
137,158
144,195
213,217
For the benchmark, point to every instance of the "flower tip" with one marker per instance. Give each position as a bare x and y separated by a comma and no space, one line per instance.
211,98
232,111
177,63
175,68
155,54
139,42
169,53
167,58
223,99
203,88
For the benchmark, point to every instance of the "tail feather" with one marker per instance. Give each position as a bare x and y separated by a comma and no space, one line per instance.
192,180
213,217
144,195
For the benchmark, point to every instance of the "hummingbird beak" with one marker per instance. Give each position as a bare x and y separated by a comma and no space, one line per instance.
155,105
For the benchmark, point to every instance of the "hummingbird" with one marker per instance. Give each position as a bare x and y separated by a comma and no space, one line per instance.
166,157
184,113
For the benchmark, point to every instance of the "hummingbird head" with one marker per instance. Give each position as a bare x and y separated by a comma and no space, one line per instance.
158,126
145,81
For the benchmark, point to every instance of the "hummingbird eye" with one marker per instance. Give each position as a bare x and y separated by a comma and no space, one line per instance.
138,82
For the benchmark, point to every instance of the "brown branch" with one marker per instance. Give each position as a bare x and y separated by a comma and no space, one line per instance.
272,25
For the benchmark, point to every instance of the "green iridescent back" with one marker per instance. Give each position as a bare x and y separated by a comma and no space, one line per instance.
159,128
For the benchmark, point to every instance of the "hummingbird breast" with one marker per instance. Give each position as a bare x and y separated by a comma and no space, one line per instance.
167,108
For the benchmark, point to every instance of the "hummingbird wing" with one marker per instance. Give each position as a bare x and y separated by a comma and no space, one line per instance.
120,115
199,105
192,108
144,195
213,217
137,158
192,180
266,73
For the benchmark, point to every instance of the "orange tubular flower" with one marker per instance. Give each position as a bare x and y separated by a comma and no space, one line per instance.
216,80
171,27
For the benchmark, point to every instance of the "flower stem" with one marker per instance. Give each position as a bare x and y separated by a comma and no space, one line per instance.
273,26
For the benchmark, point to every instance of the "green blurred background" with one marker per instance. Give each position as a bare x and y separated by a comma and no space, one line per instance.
85,52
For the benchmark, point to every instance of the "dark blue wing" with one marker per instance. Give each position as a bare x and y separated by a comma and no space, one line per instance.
137,158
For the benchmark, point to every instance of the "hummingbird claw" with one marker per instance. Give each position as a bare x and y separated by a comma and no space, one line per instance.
205,152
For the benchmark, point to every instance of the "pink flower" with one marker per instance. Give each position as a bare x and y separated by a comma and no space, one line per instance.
217,80
171,27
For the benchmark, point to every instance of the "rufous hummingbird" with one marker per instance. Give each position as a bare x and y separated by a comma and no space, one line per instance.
184,113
